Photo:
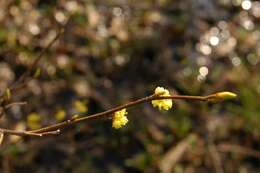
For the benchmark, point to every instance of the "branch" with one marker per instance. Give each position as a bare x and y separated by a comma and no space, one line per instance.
14,104
233,148
113,110
22,79
55,128
21,82
175,154
216,158
28,133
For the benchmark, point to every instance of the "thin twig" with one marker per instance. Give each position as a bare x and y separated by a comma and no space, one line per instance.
22,79
213,152
15,104
233,148
111,111
28,133
216,158
55,128
175,154
21,82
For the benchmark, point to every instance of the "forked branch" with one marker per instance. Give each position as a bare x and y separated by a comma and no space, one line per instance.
55,128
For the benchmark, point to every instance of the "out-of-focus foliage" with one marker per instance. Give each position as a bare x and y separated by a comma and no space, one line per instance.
113,51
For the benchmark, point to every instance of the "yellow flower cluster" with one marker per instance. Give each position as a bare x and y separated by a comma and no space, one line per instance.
164,104
119,119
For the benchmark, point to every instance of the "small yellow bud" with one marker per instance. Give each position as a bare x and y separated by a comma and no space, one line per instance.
220,96
164,104
226,95
81,106
119,119
37,73
33,120
74,117
60,115
8,94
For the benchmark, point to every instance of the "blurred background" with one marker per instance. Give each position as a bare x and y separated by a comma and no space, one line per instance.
114,51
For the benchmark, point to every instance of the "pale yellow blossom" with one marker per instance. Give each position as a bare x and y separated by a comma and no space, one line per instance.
163,104
81,106
60,115
34,120
119,119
